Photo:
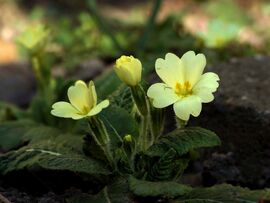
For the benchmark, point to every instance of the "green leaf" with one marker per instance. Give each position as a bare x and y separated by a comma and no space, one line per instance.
164,168
114,116
11,112
223,194
54,152
155,189
184,140
106,84
12,134
123,98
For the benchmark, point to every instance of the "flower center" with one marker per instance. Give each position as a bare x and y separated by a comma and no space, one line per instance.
85,110
183,90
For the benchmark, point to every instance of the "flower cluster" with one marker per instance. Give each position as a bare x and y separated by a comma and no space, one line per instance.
183,84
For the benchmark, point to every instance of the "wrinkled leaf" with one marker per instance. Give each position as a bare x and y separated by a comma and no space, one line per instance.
155,189
12,134
184,140
54,152
164,168
222,194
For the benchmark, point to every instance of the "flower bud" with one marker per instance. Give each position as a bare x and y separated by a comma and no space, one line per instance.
127,138
129,70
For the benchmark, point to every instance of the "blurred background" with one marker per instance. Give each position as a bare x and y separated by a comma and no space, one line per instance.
105,29
85,37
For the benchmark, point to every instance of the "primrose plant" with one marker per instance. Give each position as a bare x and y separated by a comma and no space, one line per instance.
149,157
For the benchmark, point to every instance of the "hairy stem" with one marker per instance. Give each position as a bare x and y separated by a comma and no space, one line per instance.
101,137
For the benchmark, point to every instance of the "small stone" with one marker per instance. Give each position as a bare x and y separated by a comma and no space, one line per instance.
17,83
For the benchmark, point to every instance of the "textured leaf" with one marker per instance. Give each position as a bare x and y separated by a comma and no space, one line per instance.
12,134
184,140
154,189
119,120
222,194
164,168
123,98
58,152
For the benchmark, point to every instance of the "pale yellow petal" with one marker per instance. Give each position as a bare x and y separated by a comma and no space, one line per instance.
98,108
129,70
93,94
193,66
170,69
205,95
136,70
207,81
162,95
125,75
65,110
79,96
187,106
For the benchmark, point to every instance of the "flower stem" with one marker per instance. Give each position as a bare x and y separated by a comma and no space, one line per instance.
157,120
180,123
144,134
140,99
101,137
145,139
36,68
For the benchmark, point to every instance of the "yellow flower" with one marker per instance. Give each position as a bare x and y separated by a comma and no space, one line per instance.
129,70
83,102
184,85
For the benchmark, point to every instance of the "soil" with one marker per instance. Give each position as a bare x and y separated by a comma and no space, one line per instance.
240,115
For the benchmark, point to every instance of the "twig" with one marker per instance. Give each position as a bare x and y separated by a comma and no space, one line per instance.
3,199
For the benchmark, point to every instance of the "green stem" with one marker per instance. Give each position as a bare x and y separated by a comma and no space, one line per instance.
180,123
149,26
144,136
157,120
103,26
36,68
101,137
140,99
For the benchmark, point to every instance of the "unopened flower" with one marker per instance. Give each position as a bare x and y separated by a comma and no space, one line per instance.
83,102
129,70
127,138
184,85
